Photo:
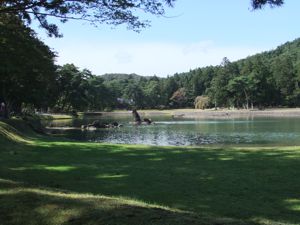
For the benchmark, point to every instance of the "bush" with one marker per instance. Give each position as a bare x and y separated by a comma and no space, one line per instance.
108,109
201,102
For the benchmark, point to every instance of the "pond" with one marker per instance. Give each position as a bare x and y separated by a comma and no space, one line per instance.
188,132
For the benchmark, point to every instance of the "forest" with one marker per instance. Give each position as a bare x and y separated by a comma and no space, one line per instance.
31,80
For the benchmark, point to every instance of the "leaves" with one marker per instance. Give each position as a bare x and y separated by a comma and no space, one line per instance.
27,70
94,11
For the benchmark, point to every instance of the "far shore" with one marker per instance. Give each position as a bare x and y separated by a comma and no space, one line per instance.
212,113
193,113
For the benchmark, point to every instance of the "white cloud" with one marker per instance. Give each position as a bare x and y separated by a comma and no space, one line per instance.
150,58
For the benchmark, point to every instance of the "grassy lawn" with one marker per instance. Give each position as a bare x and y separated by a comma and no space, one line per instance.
48,181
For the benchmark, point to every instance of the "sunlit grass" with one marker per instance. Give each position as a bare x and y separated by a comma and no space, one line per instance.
65,182
56,116
29,205
44,167
9,133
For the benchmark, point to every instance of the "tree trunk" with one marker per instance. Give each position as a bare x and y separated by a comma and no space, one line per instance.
247,99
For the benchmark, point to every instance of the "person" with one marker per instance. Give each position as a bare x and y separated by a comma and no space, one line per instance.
137,118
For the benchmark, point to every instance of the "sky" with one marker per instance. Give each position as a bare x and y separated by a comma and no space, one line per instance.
192,34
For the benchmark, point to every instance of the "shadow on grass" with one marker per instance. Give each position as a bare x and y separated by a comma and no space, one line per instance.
253,185
24,205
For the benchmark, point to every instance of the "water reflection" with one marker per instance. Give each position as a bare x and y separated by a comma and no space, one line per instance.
167,131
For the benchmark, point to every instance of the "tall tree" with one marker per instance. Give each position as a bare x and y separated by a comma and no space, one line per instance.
218,91
169,87
27,70
99,96
152,94
134,93
73,88
285,78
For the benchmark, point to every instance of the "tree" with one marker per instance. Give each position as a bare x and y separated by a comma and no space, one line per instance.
201,102
296,94
285,78
27,70
113,12
238,88
94,11
179,97
169,87
258,4
218,91
73,88
152,94
134,93
197,82
99,96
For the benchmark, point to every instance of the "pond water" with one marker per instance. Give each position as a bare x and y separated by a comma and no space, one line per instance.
183,132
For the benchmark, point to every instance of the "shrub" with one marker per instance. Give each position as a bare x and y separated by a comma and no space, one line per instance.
201,102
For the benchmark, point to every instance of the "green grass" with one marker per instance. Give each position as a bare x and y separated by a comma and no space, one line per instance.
50,181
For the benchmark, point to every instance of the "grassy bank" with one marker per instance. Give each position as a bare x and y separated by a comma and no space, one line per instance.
50,181
55,116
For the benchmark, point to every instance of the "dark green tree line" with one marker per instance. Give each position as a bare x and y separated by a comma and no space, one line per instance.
29,77
268,79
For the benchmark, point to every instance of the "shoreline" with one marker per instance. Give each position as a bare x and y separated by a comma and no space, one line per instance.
211,113
192,113
223,114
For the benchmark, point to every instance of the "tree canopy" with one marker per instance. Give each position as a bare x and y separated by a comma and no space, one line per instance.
258,4
27,70
113,12
94,11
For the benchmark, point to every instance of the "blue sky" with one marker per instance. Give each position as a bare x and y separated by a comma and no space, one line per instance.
193,34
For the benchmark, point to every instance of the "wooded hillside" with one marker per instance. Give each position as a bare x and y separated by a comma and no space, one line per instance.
31,80
267,79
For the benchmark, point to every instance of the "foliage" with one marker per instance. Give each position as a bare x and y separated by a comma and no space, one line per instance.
179,98
81,90
202,102
73,86
266,79
258,4
134,94
94,11
27,70
31,80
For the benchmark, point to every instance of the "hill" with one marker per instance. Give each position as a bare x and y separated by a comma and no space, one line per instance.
267,79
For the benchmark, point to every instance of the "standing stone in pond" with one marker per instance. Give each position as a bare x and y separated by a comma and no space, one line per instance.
136,116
